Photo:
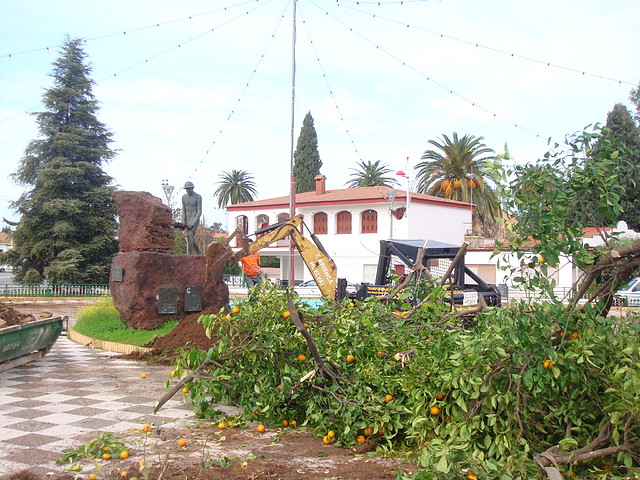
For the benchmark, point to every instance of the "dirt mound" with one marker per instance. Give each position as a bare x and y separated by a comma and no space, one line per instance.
10,317
187,333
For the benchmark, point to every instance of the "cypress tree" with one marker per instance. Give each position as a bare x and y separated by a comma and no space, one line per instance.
306,158
67,231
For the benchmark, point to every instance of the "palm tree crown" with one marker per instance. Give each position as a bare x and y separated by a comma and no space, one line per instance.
458,170
371,175
236,186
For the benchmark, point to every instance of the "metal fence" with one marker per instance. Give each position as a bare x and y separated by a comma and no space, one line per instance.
49,290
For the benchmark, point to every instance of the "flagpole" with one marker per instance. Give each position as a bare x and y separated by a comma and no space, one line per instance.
292,195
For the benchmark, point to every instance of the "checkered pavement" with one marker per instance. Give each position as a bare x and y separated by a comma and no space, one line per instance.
69,396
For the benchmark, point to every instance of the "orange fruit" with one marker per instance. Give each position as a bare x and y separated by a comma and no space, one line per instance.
388,397
106,449
173,373
228,317
286,314
471,476
440,396
106,456
123,474
260,428
361,439
331,434
326,440
575,335
141,463
235,310
302,357
541,259
435,410
350,358
368,431
548,364
182,442
285,423
144,375
92,476
222,425
380,431
185,390
124,454
293,423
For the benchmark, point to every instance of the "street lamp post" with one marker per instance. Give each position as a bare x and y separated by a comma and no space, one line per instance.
401,173
168,191
391,195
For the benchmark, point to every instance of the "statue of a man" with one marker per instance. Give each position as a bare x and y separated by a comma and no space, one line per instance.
191,211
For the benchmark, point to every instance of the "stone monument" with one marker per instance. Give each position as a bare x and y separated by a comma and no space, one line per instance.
149,284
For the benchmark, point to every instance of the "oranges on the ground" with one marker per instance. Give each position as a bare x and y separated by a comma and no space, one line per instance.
173,373
350,358
144,375
147,428
260,428
92,476
361,439
388,397
293,423
185,390
435,410
331,434
548,364
124,454
182,442
222,425
285,423
286,314
106,456
326,439
235,310
302,357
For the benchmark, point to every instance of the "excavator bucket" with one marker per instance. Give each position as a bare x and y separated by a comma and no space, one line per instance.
217,253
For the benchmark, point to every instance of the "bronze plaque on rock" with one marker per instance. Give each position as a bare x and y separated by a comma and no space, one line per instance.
193,298
168,301
116,273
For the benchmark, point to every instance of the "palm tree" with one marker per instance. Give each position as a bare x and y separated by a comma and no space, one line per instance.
236,186
371,175
459,170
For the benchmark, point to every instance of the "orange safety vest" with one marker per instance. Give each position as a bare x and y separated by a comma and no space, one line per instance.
251,264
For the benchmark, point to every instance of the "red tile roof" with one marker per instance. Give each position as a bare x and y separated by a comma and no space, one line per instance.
346,196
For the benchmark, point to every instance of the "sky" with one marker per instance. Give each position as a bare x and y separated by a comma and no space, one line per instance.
193,88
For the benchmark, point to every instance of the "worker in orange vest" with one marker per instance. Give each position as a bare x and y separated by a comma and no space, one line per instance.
251,269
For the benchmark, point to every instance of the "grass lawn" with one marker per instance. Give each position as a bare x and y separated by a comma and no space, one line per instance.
102,322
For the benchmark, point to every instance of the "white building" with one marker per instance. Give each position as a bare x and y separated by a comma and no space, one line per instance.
350,222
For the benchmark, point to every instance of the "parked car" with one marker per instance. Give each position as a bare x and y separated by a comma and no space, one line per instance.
630,295
310,289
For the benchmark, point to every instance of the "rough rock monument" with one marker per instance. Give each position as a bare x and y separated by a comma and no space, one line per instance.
149,284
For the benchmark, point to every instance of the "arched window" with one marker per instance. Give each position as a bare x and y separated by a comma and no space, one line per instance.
242,224
320,223
369,221
343,222
262,220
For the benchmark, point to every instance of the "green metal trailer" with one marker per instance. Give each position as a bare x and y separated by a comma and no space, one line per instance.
21,344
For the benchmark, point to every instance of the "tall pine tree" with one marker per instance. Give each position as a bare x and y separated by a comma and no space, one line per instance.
622,128
67,233
306,158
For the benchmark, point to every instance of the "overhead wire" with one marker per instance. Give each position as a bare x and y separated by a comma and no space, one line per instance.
242,93
136,29
427,77
486,47
329,88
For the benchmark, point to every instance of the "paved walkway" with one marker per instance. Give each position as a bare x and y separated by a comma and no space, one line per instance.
69,396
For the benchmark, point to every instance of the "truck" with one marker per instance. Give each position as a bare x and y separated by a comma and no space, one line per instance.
401,255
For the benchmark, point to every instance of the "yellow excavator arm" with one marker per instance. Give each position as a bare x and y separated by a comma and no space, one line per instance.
322,268
319,263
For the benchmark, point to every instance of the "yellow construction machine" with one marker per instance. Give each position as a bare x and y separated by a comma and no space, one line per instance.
313,254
